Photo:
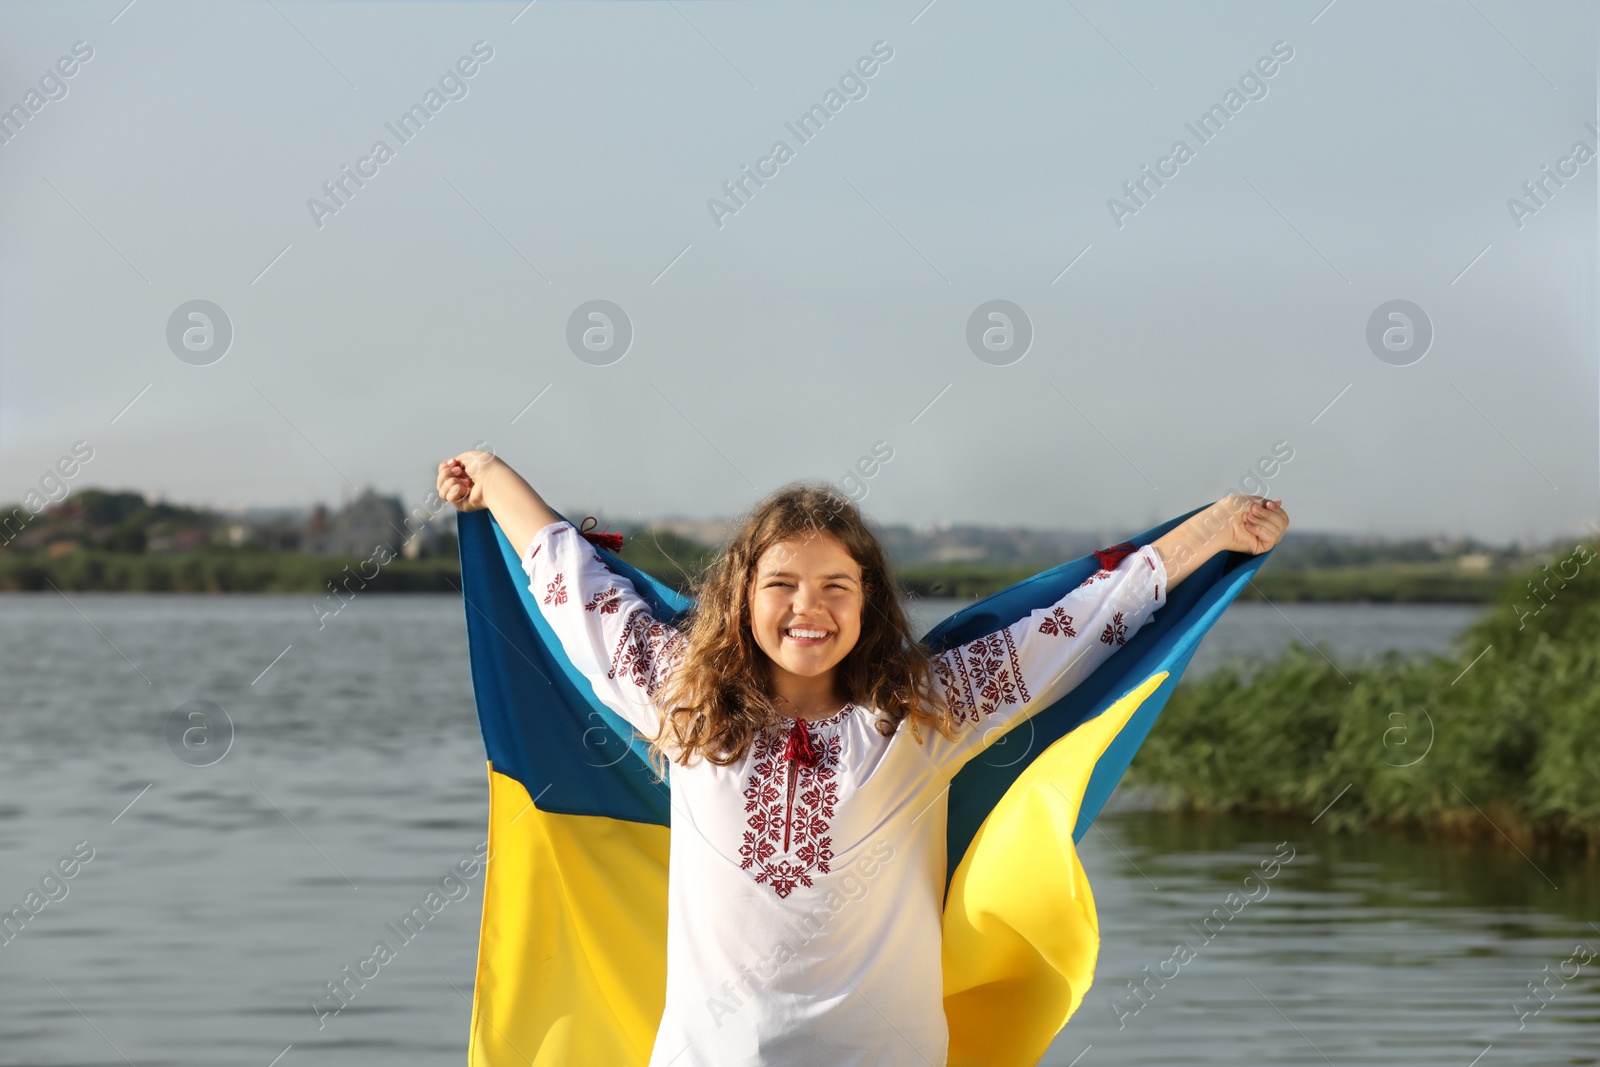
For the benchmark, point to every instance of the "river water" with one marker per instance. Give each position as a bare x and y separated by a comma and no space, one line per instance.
219,899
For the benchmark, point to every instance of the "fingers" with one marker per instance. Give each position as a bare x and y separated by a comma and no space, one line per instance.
454,485
1266,523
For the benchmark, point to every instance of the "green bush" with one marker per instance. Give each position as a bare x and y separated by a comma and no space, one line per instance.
1511,746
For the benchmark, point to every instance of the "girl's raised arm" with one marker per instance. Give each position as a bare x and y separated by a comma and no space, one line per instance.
606,629
997,681
476,480
1000,680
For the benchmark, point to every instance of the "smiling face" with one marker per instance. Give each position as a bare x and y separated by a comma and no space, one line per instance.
805,612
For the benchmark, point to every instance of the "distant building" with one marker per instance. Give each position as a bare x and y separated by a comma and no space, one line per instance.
367,522
173,542
705,532
956,554
275,534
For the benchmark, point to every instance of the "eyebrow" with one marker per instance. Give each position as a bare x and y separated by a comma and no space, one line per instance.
788,574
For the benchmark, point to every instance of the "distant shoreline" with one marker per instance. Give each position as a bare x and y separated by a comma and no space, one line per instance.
113,541
233,571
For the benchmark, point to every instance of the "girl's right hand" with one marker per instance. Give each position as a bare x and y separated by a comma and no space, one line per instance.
461,479
1255,523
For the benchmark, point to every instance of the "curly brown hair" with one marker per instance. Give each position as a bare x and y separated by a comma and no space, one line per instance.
719,698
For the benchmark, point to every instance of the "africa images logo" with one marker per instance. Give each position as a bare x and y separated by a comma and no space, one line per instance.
1252,86
452,86
806,128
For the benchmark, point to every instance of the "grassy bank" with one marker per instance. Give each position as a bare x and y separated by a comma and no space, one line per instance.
1386,583
217,571
1509,748
114,560
226,570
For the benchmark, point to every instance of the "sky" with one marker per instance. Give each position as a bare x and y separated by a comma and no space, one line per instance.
1152,349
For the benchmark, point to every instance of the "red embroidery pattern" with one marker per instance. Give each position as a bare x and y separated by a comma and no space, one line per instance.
1095,577
556,589
791,807
608,601
1058,623
982,676
646,652
944,673
1115,631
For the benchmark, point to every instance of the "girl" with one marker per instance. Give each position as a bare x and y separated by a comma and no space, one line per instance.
811,740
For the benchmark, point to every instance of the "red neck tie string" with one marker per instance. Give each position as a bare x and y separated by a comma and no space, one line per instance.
799,747
1108,558
605,539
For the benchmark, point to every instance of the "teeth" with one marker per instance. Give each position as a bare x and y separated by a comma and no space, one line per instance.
808,633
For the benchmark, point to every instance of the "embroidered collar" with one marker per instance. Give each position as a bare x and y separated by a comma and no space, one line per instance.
787,721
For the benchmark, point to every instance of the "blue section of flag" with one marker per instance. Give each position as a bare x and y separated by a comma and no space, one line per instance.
542,723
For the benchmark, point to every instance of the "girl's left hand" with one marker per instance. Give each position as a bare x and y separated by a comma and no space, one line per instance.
1254,523
461,479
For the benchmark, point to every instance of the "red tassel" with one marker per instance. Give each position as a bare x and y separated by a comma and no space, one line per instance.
605,539
1110,557
799,747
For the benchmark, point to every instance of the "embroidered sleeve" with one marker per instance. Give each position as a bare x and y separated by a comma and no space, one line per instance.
606,629
997,681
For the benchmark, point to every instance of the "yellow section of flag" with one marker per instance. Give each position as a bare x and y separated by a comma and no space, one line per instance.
572,955
1020,931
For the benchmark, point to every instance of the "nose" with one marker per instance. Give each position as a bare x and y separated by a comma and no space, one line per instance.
805,598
